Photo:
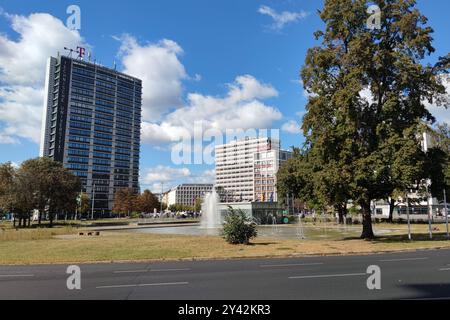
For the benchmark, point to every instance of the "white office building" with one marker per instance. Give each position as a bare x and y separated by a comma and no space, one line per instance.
246,169
186,194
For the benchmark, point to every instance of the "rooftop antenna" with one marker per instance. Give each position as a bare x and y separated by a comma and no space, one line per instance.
115,66
89,56
70,51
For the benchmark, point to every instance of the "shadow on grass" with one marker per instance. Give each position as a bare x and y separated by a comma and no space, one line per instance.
403,238
261,244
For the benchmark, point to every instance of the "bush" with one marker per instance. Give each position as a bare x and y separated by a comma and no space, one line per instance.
238,228
135,215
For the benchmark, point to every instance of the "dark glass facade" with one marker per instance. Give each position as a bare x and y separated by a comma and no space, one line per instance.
92,124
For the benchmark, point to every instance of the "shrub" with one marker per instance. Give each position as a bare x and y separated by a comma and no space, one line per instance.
238,228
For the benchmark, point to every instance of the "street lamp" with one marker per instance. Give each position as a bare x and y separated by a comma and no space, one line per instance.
430,212
93,201
407,217
446,213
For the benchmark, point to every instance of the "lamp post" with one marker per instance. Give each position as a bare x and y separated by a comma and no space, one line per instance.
446,213
407,217
93,201
430,212
161,197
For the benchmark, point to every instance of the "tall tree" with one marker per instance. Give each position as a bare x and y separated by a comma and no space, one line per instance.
64,189
7,174
148,202
438,163
368,90
198,205
125,201
84,203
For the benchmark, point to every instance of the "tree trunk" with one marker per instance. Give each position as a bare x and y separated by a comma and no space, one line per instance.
39,217
341,214
367,232
50,217
391,210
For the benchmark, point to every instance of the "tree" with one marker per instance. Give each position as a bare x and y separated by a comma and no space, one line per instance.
125,201
198,205
438,162
7,174
63,189
84,203
41,184
148,202
368,90
238,228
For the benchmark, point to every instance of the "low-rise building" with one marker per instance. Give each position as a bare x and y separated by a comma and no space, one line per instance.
186,194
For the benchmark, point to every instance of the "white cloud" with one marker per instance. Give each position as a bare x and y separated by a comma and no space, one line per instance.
154,177
161,72
7,139
240,108
164,174
280,19
22,71
292,127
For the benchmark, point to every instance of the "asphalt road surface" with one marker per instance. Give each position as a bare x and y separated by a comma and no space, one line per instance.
416,275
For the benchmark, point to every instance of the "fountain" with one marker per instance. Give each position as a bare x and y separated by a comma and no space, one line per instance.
211,218
300,231
274,223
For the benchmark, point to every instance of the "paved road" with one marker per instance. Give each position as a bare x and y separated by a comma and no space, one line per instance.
418,275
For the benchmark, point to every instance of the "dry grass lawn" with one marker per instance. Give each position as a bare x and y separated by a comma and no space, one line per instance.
43,247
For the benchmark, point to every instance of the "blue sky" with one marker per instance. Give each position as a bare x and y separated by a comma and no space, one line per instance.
233,54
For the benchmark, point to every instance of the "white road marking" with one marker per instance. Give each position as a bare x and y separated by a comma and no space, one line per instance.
330,276
130,271
444,269
290,265
143,285
151,270
15,275
406,259
168,270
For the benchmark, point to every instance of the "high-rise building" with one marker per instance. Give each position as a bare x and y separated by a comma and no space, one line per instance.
247,168
92,123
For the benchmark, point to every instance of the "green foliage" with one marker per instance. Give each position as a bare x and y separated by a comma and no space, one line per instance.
366,106
180,207
7,174
41,184
135,215
439,162
84,205
148,202
125,201
198,205
238,228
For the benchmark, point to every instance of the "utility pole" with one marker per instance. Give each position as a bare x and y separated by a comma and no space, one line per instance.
430,213
161,197
407,217
93,200
446,213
